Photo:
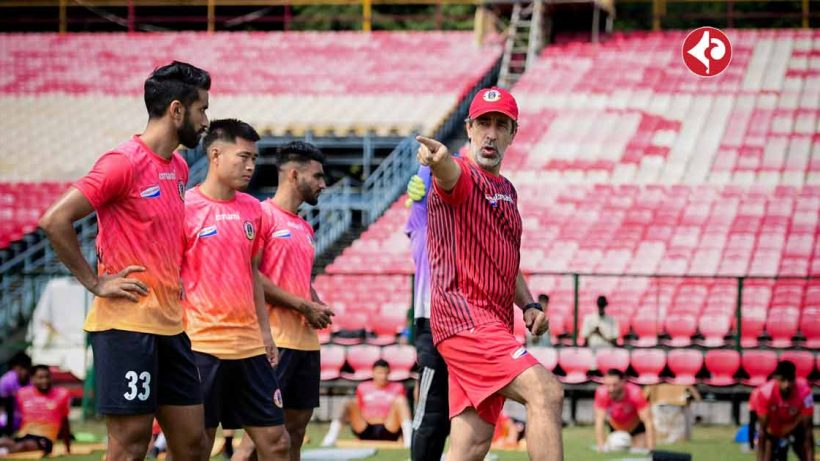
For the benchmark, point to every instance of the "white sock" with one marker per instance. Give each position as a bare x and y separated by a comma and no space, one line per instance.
332,433
407,432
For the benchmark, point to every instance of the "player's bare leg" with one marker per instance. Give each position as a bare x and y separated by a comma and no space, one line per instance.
639,440
399,413
296,422
470,437
272,442
542,394
352,414
184,428
128,437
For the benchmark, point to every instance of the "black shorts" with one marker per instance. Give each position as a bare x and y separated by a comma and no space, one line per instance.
137,372
639,429
377,432
298,374
239,393
43,443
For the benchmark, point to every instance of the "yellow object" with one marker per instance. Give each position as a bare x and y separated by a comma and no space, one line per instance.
416,189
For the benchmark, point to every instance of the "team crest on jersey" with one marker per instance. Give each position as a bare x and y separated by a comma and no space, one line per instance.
494,199
181,189
209,231
277,398
150,192
282,234
250,232
520,352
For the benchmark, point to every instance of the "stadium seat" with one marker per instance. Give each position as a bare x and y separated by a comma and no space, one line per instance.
781,329
803,361
648,363
332,360
386,326
576,363
722,365
758,364
608,358
349,328
810,327
646,329
751,329
714,329
681,328
361,358
548,356
401,358
685,365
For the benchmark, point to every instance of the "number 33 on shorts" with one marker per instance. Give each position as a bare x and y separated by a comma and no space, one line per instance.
139,385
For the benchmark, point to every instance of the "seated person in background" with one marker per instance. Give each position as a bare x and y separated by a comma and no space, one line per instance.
600,330
508,432
44,411
11,382
623,406
379,412
785,407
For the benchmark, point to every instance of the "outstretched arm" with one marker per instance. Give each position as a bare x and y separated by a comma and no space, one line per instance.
436,155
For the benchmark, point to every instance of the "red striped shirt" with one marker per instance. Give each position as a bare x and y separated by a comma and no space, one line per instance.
474,242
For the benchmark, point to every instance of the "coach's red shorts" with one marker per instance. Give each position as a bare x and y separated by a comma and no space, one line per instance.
481,362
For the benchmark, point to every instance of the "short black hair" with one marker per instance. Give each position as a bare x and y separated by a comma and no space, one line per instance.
20,359
615,372
785,370
228,130
381,363
545,297
602,302
300,152
178,81
39,367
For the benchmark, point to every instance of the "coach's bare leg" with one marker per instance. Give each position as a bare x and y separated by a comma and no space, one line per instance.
128,437
184,428
296,422
272,442
470,437
543,396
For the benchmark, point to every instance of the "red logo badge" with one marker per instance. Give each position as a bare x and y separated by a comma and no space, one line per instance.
707,51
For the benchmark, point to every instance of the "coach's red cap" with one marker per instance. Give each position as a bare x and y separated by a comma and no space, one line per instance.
493,100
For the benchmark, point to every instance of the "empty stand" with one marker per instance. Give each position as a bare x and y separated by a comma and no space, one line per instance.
685,365
648,363
758,364
722,365
576,363
361,358
547,356
401,358
332,360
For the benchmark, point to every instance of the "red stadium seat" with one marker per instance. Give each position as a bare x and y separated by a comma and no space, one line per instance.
758,365
548,356
648,363
646,328
681,328
386,326
576,362
803,361
751,329
714,328
350,323
361,358
722,365
685,365
557,327
401,358
332,360
781,329
609,358
810,327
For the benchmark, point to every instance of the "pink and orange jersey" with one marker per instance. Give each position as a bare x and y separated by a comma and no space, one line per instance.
43,413
221,238
138,196
288,261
